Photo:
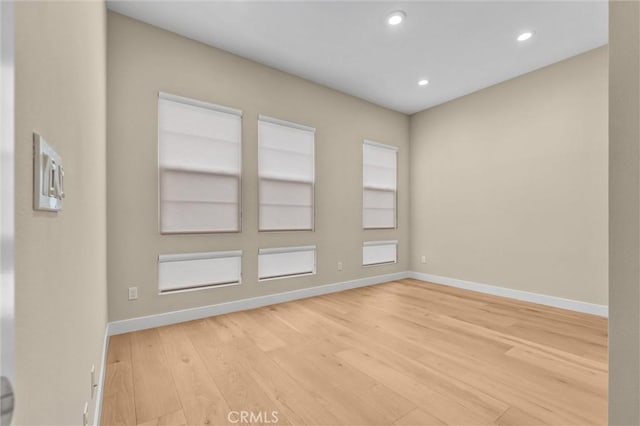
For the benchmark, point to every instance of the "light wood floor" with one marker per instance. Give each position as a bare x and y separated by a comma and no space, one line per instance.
402,353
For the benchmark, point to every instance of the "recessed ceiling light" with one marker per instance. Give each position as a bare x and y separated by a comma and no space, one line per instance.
423,82
396,17
525,36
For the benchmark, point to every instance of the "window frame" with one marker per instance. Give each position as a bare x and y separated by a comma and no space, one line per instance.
395,149
380,243
285,123
213,107
181,257
283,250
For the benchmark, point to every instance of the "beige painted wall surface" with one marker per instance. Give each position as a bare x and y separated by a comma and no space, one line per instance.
60,258
143,60
509,184
624,211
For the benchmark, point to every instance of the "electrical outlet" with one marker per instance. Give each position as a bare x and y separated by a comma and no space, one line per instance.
94,385
85,415
133,293
423,259
339,266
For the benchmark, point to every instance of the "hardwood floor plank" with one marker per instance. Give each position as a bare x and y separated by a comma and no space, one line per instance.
275,324
444,408
442,382
176,418
395,355
239,389
118,403
418,417
322,358
600,355
299,405
257,332
347,404
550,337
119,349
517,384
566,369
514,416
201,399
155,392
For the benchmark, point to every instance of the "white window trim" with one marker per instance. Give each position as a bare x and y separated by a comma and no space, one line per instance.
279,250
278,121
214,107
395,191
380,243
201,104
380,145
198,256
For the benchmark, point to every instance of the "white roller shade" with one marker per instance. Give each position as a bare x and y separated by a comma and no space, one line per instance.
196,270
286,262
379,252
200,161
287,175
379,171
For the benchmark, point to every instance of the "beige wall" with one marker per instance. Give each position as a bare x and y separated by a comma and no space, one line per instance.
624,212
509,184
60,258
143,60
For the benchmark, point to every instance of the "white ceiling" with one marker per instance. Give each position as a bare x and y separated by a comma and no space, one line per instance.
460,47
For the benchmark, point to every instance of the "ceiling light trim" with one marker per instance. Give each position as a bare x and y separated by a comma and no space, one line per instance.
525,35
396,18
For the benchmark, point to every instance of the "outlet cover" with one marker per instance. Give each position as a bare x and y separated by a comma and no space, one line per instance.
133,293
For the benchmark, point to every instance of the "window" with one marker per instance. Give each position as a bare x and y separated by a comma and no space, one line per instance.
199,157
379,252
287,175
198,270
286,262
379,172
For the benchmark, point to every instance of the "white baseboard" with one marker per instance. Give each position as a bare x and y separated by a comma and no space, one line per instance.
167,318
158,320
103,367
542,299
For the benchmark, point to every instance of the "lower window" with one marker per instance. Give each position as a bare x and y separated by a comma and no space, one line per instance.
179,272
286,262
379,252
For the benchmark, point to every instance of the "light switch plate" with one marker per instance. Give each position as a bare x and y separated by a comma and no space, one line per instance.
48,176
